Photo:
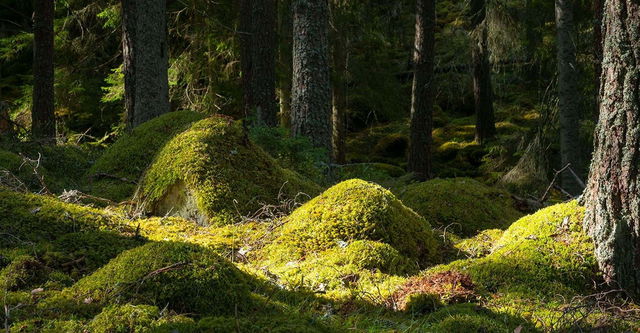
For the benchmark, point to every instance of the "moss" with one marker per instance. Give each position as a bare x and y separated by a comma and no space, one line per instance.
461,205
373,172
125,319
213,174
392,146
130,156
355,210
22,272
539,262
418,304
470,323
480,244
184,277
29,218
366,254
277,324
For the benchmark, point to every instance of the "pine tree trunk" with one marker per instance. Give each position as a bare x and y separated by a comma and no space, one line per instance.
264,49
340,58
245,34
482,90
422,93
146,61
612,196
597,50
285,60
568,94
43,124
311,94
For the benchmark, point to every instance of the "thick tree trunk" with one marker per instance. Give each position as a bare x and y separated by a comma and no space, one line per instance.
285,61
311,94
568,94
43,124
340,59
264,49
144,49
597,50
245,34
612,196
422,94
482,90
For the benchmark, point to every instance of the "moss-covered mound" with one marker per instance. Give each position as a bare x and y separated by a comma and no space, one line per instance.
29,218
115,173
186,278
461,205
212,173
356,210
539,262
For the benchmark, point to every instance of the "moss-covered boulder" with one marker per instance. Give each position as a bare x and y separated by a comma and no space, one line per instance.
461,205
212,173
355,210
115,173
184,277
544,251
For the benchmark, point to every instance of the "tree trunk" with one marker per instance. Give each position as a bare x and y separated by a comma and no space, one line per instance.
285,61
264,49
311,95
568,94
482,90
612,196
597,50
245,34
43,124
422,93
340,59
144,49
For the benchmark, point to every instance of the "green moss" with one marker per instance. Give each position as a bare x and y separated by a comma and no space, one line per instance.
373,172
461,205
480,244
29,218
23,271
366,254
272,324
213,174
470,323
184,277
355,210
418,304
130,156
125,319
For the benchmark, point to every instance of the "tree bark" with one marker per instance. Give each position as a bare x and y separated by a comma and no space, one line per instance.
612,196
245,34
285,61
597,50
422,93
482,89
568,94
264,49
43,124
339,37
146,61
311,94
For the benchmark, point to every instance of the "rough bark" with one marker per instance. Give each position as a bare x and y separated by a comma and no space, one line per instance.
422,93
264,48
144,49
612,196
285,61
244,41
482,89
311,94
568,94
43,124
597,50
340,60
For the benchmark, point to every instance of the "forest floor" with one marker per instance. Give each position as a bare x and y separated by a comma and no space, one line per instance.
186,225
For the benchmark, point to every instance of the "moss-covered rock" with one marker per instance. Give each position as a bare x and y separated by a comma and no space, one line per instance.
461,205
355,210
212,173
129,157
373,172
125,319
480,244
22,272
184,277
